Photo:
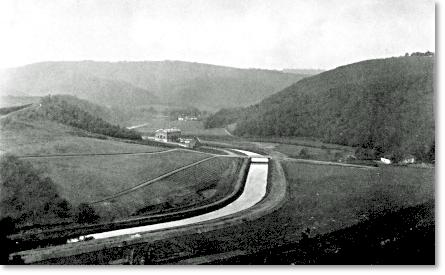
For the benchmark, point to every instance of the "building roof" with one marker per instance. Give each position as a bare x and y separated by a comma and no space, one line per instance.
171,130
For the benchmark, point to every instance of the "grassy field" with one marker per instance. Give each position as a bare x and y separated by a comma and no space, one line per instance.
283,147
296,151
300,141
303,148
198,185
91,178
45,137
327,198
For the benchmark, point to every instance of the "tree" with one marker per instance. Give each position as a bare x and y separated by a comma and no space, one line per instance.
304,153
86,214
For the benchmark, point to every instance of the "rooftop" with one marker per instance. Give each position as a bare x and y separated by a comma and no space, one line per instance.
171,130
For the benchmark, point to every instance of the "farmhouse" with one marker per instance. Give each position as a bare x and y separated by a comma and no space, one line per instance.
168,135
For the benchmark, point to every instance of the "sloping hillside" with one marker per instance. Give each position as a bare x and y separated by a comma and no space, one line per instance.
12,101
111,115
385,105
141,83
63,125
75,113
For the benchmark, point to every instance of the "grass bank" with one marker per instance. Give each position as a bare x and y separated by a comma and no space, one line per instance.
91,178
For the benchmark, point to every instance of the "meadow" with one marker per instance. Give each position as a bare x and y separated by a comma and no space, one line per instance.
195,186
327,198
309,152
87,179
46,137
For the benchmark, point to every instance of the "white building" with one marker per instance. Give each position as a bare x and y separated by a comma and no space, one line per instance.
385,160
168,135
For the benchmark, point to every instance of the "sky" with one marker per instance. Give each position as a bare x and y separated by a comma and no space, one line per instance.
269,34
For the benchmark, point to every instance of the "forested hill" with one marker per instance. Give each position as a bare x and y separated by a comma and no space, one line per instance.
385,105
111,115
76,113
140,83
46,78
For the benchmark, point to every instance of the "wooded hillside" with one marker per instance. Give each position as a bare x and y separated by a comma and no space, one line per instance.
385,106
76,113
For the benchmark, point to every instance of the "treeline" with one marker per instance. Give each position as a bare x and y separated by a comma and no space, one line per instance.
427,53
174,113
223,117
56,108
385,107
113,115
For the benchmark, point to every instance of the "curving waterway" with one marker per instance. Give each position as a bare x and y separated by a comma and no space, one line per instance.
254,191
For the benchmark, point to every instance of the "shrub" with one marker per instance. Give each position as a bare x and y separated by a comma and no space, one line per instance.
304,153
86,214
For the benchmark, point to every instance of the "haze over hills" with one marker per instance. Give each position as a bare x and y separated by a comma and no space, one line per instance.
383,105
47,78
308,72
141,83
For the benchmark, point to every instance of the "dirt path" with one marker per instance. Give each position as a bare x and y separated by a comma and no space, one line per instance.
97,154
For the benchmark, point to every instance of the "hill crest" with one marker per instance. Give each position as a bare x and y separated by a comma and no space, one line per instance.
175,82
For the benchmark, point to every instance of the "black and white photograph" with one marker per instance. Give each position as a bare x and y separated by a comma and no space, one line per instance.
218,132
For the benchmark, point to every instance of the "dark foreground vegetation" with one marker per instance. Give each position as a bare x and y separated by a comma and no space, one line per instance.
399,237
383,106
26,196
29,199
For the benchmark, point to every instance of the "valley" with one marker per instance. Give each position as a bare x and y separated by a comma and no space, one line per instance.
256,179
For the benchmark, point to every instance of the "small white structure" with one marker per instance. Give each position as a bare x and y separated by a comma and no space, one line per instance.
385,160
408,159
